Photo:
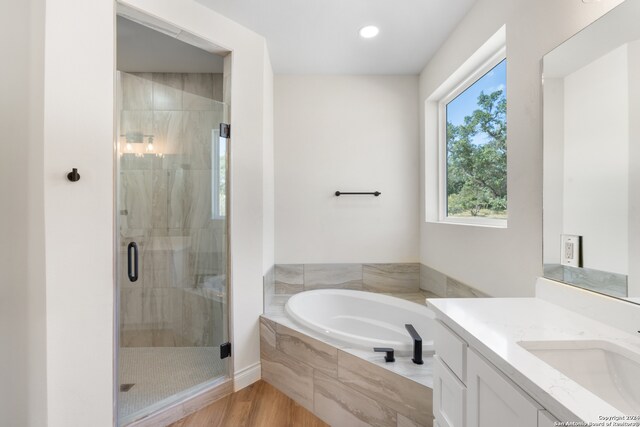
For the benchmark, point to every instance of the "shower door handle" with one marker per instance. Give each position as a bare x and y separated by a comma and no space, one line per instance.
132,261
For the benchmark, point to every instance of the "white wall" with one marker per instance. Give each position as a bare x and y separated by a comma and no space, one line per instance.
78,132
553,187
78,128
268,172
504,262
596,160
634,169
348,133
22,285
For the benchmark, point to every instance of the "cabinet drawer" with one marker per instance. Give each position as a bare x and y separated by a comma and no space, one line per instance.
449,396
451,349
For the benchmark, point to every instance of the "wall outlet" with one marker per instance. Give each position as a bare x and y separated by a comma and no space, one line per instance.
571,251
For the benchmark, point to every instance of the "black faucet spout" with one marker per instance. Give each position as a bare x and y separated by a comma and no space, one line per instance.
417,344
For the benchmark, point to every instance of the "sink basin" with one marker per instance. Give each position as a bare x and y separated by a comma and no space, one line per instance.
605,369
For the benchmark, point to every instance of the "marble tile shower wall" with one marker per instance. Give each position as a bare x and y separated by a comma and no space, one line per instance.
165,206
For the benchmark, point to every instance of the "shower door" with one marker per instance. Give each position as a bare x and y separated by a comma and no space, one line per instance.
173,238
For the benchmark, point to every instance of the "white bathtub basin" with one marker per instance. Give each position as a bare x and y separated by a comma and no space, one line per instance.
362,319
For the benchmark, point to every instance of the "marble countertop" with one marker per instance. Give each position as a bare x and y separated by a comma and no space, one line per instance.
494,326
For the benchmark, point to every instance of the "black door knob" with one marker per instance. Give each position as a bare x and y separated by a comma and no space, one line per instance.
73,176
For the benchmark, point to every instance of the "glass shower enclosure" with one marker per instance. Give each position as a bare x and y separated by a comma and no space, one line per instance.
172,206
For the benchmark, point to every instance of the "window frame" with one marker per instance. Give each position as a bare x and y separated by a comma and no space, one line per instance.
465,83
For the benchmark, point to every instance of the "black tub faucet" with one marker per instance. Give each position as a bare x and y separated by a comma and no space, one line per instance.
389,357
417,344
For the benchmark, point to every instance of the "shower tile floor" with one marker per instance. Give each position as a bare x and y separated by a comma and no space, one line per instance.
159,373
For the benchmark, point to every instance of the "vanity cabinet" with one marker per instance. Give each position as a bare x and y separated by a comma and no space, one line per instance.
493,400
468,391
449,396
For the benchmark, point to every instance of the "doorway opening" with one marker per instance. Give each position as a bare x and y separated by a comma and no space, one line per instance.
172,208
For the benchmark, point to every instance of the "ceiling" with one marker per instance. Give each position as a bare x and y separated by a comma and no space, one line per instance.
141,49
321,36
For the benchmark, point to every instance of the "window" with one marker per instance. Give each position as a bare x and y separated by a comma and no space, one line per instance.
472,124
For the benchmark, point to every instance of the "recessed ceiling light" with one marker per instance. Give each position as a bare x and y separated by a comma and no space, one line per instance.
369,31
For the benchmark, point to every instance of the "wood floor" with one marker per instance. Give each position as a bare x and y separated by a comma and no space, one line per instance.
260,404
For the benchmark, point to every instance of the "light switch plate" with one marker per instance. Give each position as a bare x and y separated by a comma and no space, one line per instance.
571,250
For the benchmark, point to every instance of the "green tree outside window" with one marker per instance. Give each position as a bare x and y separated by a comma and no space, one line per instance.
477,159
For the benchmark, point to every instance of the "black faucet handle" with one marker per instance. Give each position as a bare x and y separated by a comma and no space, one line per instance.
389,357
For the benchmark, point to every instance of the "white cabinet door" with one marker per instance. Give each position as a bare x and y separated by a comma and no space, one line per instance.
448,396
493,400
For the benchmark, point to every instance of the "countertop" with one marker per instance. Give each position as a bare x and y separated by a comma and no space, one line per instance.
494,326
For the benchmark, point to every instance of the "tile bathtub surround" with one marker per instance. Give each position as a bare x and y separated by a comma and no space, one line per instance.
289,278
391,277
444,286
338,405
323,357
287,374
344,386
268,285
399,394
410,281
294,278
433,281
321,276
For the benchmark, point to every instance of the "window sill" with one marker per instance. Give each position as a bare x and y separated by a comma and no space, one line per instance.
473,222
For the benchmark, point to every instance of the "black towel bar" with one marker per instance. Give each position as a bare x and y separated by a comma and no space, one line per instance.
341,193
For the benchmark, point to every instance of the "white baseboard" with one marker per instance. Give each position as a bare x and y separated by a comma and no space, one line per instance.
247,376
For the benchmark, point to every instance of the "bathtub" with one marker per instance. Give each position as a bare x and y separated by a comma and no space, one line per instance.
362,320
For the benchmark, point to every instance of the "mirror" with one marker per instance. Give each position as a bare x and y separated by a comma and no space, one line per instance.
591,89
